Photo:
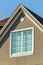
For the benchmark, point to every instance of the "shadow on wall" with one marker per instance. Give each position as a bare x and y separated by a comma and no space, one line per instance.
12,28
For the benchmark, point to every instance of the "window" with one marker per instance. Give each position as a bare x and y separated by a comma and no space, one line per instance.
22,42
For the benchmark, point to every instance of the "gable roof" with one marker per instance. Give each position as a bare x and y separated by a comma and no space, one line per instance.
19,9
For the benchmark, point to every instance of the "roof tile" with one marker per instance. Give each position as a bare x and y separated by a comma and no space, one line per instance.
2,22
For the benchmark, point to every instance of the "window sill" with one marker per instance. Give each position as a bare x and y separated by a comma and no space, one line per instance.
21,54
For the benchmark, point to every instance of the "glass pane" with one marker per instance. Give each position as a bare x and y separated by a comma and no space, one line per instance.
29,32
29,37
25,33
18,36
27,40
25,44
16,42
25,49
18,50
13,35
13,51
29,48
13,45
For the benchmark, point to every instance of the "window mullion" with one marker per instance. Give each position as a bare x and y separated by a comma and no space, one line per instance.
21,42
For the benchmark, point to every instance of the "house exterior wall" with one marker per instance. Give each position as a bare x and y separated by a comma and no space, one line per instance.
36,58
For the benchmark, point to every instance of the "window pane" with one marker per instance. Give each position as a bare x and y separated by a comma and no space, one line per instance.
25,44
27,40
29,48
18,36
13,51
25,49
13,45
16,42
18,50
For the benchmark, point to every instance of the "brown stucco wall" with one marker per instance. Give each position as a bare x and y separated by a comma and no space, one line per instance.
36,58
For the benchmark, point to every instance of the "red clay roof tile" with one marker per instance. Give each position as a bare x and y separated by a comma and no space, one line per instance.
2,22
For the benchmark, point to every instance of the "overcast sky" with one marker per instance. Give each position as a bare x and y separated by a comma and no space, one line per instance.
8,6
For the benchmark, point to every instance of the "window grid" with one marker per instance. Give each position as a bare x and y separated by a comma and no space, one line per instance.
26,46
22,41
17,48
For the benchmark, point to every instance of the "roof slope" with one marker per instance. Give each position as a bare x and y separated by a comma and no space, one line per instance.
24,9
40,19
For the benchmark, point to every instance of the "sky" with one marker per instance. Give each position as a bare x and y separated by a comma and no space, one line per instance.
7,7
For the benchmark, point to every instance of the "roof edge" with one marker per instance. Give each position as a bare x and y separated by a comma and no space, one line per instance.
11,17
31,15
40,26
14,13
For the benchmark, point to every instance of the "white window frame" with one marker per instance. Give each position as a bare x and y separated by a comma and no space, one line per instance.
24,53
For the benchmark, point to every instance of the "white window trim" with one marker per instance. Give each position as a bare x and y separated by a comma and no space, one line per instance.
24,53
